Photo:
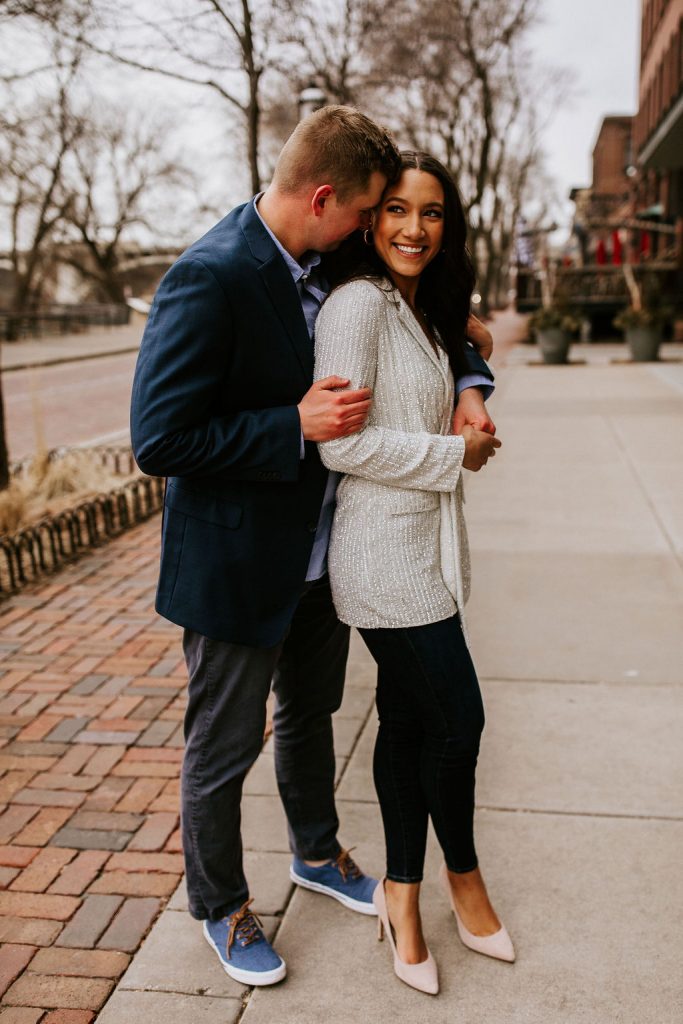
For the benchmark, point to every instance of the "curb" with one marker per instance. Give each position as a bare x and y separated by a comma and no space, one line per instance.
70,359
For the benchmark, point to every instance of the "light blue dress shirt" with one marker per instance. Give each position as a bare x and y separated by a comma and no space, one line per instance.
313,289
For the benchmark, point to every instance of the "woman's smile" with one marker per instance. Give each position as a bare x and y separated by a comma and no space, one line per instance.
410,251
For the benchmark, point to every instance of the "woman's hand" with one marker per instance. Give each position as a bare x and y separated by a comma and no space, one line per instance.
480,336
479,448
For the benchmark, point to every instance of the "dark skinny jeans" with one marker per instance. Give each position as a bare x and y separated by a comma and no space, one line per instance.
430,721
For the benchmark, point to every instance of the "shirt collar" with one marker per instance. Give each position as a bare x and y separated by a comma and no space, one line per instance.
309,260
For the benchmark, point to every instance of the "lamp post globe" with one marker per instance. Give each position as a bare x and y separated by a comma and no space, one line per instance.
311,98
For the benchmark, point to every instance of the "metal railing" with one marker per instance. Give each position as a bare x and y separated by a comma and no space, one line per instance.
118,459
590,288
15,325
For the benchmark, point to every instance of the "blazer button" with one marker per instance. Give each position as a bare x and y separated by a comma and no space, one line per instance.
311,527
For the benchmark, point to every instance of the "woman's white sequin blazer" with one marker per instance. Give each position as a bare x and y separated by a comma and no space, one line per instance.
398,551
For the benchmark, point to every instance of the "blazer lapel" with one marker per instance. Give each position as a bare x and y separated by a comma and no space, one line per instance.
410,323
280,286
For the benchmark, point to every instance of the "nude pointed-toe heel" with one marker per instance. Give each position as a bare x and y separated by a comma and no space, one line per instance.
499,945
424,976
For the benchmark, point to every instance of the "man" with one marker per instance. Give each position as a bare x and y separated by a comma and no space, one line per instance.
223,405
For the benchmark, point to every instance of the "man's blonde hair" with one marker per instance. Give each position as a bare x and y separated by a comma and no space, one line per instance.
335,146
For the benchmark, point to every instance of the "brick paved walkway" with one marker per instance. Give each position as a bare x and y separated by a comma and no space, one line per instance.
91,702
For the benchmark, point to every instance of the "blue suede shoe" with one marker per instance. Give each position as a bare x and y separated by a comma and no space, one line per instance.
340,878
243,950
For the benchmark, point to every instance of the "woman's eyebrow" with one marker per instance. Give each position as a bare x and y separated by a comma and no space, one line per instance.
399,199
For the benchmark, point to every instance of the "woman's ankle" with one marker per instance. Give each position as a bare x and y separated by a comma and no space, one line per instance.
403,900
472,899
403,907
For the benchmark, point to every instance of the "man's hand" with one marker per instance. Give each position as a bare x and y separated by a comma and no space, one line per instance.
480,336
327,413
479,448
471,410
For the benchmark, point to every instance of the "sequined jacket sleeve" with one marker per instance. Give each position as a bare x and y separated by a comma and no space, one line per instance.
354,322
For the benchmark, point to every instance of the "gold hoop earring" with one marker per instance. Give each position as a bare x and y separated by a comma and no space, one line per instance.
367,237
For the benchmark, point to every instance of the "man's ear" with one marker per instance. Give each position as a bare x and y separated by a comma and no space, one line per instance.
319,199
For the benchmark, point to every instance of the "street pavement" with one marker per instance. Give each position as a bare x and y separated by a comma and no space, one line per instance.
41,404
45,381
576,623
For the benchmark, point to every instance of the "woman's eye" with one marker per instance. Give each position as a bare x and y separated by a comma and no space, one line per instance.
434,214
394,209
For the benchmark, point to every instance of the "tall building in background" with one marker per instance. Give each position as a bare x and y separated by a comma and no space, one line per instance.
658,132
605,206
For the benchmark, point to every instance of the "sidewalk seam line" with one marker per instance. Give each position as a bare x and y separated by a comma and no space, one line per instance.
644,491
545,681
549,811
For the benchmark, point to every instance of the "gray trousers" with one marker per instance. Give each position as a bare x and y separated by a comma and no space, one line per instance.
224,725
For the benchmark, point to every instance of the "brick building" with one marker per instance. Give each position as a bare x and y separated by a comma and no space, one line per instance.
606,203
658,127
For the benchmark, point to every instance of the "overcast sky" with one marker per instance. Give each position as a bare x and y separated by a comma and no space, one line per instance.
599,41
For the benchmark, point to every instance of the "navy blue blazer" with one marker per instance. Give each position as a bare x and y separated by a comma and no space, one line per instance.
224,361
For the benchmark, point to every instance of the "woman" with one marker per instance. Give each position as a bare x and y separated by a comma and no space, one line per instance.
398,557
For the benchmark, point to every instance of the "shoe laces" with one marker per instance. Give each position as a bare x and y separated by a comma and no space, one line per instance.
346,865
244,926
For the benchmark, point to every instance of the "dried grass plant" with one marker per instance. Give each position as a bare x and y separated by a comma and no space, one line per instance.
12,508
48,486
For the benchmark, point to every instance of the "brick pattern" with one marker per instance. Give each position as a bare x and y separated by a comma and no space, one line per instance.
92,695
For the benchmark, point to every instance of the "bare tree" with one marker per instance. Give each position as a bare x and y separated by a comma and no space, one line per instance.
34,140
119,164
50,22
29,8
341,45
225,46
35,144
472,103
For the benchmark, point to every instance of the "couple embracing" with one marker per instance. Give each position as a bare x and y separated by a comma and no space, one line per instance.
306,386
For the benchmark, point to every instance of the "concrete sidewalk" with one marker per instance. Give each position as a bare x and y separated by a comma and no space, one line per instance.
577,626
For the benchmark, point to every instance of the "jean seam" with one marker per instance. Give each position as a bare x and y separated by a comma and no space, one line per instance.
438,794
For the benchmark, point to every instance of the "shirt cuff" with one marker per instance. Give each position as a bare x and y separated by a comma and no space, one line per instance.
475,380
302,449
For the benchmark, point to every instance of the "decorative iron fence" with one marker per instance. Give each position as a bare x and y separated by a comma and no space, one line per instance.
116,458
588,289
44,547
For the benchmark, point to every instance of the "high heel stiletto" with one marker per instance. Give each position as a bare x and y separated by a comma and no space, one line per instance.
424,976
499,945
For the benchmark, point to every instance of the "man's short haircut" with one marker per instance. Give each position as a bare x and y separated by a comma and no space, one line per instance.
336,146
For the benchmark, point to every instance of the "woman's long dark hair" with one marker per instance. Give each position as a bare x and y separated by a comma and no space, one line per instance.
447,282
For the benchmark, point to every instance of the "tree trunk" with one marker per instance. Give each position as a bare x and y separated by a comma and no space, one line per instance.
253,107
4,456
20,303
253,118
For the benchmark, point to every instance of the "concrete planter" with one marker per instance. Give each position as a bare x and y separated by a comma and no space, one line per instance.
644,342
554,344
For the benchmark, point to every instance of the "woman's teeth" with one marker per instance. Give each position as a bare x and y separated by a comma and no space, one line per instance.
410,250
